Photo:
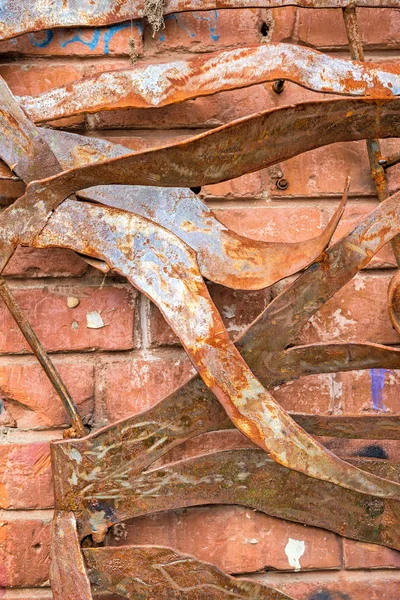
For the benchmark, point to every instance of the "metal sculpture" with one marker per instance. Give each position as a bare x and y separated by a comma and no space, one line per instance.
164,240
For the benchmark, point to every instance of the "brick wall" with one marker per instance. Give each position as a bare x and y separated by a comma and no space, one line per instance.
135,360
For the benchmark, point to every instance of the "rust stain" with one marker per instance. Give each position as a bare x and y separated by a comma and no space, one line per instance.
149,86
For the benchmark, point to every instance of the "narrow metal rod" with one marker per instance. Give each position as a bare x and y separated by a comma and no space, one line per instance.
390,161
43,357
378,172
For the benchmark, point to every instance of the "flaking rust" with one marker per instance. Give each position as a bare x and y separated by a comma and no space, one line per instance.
164,240
221,71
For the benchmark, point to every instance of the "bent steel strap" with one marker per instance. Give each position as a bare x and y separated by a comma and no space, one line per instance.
157,263
204,75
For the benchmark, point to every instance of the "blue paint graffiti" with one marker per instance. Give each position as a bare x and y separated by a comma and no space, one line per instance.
76,36
212,23
41,43
377,384
179,23
111,31
213,28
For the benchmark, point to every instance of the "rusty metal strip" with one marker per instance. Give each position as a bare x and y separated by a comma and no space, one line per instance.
219,478
161,573
253,142
68,575
203,75
223,256
21,145
299,361
158,264
361,427
24,16
287,314
394,302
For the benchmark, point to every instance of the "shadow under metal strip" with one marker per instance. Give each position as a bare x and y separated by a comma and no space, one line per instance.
208,74
24,16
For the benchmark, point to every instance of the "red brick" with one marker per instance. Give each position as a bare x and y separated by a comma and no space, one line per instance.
325,28
29,400
361,391
25,476
336,586
77,42
24,550
33,78
357,555
52,262
207,111
350,315
274,223
32,594
236,539
208,31
323,172
133,384
61,328
315,394
237,308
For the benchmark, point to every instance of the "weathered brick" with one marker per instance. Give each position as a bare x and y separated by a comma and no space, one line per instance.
25,476
28,400
133,384
100,41
351,314
323,172
238,540
357,555
62,328
237,309
336,586
52,262
208,31
325,28
315,394
274,223
372,390
24,549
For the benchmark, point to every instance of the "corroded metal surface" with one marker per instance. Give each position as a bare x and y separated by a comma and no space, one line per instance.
162,267
68,575
243,476
223,256
159,573
290,311
394,302
163,244
22,16
21,145
158,85
251,143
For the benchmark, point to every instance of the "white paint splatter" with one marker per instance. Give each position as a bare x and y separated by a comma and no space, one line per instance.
294,551
94,320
